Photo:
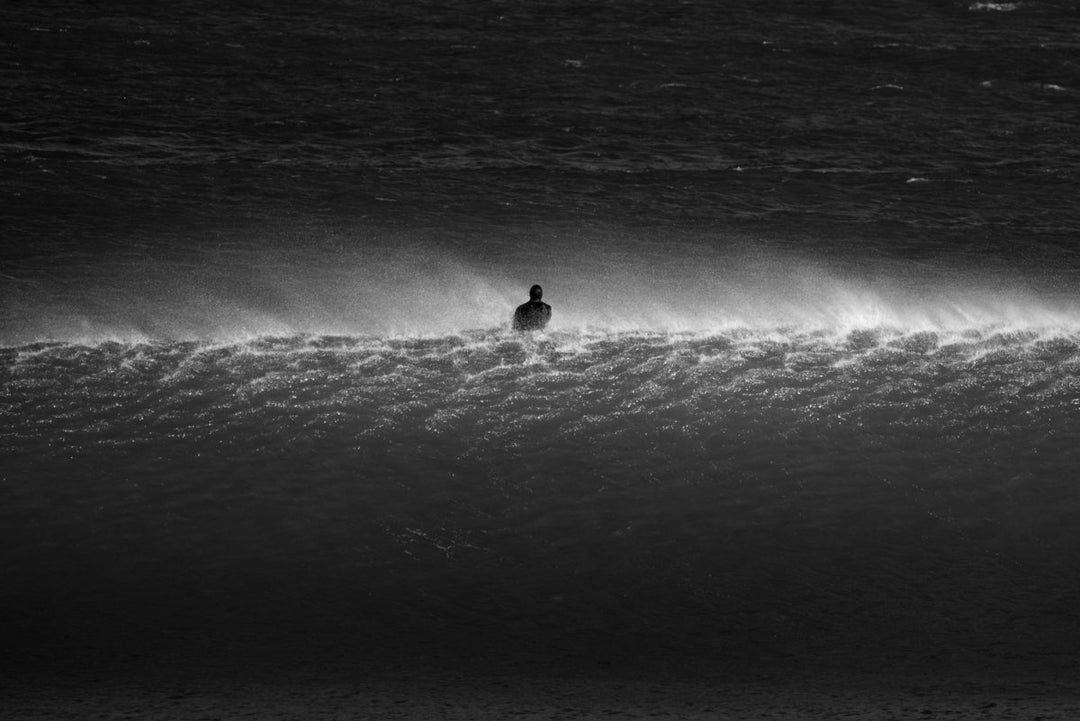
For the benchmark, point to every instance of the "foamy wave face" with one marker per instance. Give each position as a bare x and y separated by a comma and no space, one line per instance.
486,384
474,352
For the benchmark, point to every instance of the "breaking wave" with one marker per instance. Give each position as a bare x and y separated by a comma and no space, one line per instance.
498,389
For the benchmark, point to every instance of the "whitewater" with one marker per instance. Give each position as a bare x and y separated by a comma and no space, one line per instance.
666,351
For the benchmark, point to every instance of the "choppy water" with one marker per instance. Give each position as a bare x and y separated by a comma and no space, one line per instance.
809,398
919,115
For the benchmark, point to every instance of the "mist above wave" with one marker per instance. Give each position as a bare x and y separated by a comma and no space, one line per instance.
411,285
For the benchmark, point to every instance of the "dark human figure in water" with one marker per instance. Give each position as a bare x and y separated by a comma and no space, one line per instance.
533,315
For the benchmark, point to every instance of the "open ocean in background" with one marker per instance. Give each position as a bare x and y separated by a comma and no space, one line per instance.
809,404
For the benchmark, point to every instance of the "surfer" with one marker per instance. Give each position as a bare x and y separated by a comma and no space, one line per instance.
533,315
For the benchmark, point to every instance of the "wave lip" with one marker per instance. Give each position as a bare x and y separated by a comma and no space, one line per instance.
844,311
607,284
476,352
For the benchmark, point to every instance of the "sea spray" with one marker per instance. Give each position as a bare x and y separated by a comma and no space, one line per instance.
385,284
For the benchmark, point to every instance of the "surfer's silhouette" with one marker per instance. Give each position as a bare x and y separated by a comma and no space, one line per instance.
533,315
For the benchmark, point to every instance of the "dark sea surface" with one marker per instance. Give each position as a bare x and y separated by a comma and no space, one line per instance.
809,403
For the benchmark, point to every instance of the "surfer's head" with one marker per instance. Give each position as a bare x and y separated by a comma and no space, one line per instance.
536,293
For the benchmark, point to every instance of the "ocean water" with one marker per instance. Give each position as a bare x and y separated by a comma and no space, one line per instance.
809,402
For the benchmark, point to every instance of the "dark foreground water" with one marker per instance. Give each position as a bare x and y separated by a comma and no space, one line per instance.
809,403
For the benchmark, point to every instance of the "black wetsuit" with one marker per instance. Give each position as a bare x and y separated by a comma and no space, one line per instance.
533,315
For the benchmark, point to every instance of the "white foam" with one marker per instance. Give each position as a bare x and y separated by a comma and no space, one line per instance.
993,7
